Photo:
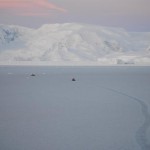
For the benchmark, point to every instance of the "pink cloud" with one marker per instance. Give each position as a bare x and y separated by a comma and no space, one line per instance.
40,14
30,7
46,4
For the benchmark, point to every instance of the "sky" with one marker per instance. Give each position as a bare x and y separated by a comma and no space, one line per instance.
133,15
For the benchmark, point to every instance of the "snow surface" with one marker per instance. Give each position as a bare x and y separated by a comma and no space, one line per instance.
106,108
73,43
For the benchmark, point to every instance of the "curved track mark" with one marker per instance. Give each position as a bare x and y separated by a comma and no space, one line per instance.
141,132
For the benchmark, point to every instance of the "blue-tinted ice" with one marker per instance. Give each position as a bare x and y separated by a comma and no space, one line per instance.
107,108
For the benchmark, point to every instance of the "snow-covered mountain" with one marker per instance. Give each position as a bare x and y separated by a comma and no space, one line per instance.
71,42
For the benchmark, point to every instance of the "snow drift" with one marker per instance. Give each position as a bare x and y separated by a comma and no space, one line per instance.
71,42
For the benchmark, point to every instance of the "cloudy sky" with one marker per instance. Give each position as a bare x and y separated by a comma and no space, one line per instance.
133,15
